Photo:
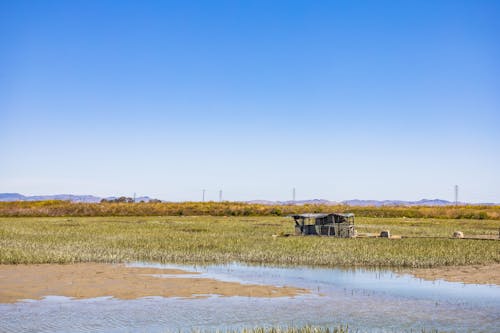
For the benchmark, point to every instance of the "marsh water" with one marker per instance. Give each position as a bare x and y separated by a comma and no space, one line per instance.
365,300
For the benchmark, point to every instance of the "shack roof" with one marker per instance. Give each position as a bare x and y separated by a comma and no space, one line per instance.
320,215
309,216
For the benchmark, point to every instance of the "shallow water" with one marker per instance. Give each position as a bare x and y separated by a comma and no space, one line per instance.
366,300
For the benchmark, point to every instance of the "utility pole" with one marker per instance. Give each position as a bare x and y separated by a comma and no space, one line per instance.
220,196
456,195
203,195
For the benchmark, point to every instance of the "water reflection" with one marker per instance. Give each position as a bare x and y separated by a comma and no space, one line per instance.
367,300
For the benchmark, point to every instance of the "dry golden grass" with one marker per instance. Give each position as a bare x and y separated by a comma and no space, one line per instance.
63,208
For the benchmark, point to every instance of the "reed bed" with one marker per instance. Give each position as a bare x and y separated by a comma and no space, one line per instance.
208,239
65,208
306,329
313,329
291,329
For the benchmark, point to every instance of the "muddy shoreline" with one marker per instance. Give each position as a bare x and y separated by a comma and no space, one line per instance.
90,280
476,274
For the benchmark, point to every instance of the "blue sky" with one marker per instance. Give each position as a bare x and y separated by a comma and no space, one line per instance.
340,99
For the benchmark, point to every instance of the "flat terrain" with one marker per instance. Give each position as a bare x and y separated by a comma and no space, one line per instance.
89,280
478,274
55,208
207,239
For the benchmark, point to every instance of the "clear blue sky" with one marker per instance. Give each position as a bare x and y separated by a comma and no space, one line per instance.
340,99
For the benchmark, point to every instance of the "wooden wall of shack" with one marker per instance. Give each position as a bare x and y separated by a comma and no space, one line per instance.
330,225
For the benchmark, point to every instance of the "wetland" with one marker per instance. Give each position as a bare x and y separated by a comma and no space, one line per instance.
208,273
237,296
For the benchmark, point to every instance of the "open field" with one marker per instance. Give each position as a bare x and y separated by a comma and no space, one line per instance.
65,208
208,239
305,329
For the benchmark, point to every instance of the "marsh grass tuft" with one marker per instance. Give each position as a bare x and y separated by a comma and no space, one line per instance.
304,329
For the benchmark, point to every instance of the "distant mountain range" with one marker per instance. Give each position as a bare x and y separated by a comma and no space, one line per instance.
355,202
423,202
65,197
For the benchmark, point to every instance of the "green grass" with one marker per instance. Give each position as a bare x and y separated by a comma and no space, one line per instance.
304,329
208,239
429,227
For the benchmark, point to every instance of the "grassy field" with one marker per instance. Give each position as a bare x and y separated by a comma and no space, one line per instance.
304,329
65,208
208,239
429,227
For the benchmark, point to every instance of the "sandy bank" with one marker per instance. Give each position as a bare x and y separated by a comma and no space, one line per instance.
88,280
488,274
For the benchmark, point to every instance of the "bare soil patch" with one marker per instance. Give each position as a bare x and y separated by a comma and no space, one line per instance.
89,280
478,274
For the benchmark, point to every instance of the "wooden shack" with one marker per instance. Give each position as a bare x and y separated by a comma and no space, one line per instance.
332,224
